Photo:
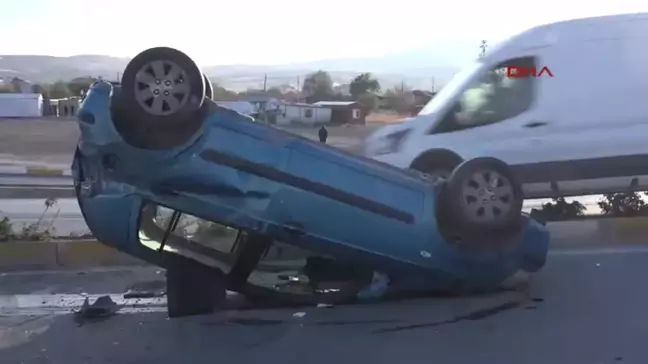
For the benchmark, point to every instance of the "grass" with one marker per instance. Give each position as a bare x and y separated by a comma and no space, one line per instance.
41,230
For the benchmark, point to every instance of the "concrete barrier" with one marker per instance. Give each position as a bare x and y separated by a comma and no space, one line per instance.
28,256
24,170
49,255
83,254
80,254
599,232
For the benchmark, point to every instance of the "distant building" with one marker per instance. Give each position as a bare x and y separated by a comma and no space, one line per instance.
243,107
263,103
344,112
420,99
21,86
64,108
21,105
303,114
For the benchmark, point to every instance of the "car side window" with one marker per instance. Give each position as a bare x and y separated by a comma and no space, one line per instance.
204,232
492,98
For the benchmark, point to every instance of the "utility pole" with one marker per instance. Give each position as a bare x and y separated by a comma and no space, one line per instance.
402,85
265,82
432,84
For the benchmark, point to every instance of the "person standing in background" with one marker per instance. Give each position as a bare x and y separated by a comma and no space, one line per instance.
323,134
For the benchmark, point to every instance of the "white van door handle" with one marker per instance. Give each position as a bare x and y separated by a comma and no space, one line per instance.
535,124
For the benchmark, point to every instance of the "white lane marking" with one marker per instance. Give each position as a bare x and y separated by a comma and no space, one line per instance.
600,251
70,300
44,304
46,311
60,304
116,269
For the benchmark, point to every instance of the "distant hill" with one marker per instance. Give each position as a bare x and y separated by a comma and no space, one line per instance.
417,68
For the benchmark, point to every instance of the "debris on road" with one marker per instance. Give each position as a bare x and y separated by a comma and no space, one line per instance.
103,308
299,314
146,290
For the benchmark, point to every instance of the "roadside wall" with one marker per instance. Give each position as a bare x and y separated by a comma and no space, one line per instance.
80,254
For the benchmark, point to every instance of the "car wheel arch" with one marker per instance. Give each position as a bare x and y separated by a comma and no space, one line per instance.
435,155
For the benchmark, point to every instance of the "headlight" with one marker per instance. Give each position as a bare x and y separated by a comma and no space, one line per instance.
387,144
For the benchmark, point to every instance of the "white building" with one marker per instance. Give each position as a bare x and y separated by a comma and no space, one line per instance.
243,107
304,114
21,105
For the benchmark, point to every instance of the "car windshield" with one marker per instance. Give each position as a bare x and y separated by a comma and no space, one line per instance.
449,91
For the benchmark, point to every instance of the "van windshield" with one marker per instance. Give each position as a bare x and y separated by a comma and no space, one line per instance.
450,90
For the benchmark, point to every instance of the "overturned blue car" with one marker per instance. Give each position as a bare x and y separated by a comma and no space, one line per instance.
226,203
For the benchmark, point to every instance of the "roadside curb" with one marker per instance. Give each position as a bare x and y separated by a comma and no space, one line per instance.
35,171
89,253
53,255
599,232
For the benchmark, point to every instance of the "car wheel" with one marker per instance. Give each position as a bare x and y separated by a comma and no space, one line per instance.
482,194
162,87
436,166
209,88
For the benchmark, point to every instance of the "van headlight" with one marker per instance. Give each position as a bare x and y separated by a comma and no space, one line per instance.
390,143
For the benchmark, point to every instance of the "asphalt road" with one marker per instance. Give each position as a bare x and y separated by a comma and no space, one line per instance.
51,142
585,307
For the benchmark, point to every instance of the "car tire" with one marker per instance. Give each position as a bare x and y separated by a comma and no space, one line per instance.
482,195
209,88
162,87
436,165
192,287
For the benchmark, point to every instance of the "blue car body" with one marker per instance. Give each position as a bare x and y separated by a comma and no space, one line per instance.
255,177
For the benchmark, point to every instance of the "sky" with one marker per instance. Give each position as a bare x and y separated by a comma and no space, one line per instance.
273,31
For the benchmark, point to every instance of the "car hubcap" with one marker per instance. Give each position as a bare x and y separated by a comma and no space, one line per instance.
161,88
487,196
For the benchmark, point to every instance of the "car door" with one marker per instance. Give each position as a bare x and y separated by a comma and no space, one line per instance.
495,116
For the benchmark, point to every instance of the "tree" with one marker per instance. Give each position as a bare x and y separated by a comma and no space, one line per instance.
79,86
362,84
223,94
560,209
59,90
368,101
623,204
41,89
318,84
399,99
274,92
7,88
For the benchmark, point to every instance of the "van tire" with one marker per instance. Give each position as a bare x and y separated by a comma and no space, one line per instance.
436,163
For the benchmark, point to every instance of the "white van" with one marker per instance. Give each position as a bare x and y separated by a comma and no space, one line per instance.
583,129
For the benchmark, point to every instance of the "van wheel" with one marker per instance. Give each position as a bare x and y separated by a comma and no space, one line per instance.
482,194
436,165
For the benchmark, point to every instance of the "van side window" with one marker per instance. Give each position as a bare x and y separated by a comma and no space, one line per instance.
492,98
